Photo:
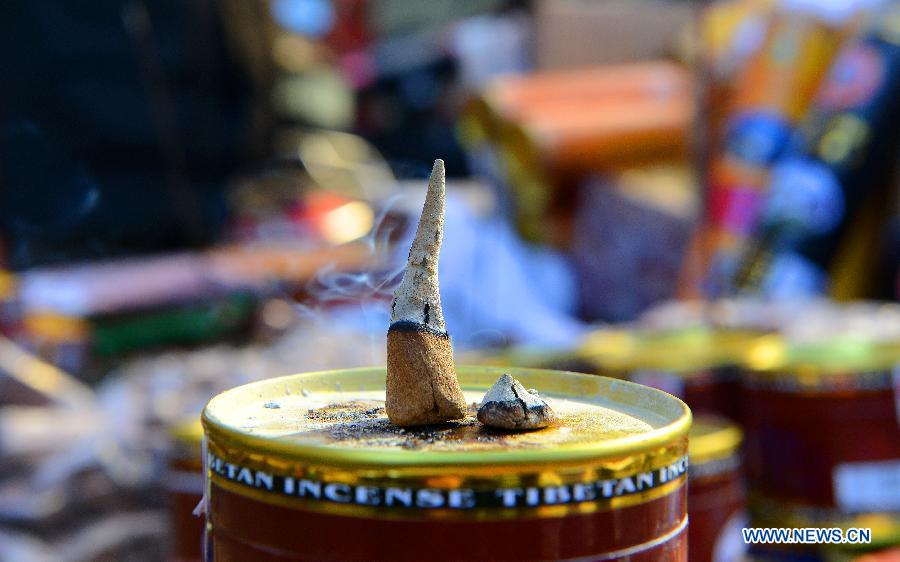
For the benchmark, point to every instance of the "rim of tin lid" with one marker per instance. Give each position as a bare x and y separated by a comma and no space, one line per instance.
682,352
187,431
839,356
713,437
677,419
186,439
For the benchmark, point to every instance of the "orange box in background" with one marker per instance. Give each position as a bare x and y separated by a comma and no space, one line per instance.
538,135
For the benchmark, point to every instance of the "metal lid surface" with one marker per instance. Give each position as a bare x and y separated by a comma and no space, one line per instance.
337,417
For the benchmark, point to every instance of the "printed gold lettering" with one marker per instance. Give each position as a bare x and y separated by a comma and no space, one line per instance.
461,499
399,496
606,487
582,492
532,496
338,492
557,494
310,488
367,495
625,485
644,480
429,497
263,480
245,476
510,496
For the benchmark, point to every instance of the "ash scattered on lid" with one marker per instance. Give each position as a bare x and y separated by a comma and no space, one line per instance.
363,423
354,410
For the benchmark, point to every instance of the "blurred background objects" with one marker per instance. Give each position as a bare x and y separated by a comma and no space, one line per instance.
695,195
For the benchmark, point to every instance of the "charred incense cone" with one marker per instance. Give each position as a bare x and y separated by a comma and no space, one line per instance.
422,387
507,405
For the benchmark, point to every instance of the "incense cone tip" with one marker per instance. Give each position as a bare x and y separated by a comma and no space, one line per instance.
417,298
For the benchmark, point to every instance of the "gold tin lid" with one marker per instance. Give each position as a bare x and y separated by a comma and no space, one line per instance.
184,472
186,437
616,443
840,363
681,352
713,439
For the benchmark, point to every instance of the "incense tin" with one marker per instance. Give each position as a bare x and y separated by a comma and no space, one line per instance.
823,436
698,365
307,467
716,495
183,483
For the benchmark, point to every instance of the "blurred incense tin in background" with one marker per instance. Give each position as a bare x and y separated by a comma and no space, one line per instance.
698,365
716,495
307,467
184,487
823,436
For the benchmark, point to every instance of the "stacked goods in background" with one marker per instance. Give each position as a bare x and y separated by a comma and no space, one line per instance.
80,317
640,219
771,95
834,183
800,190
596,160
789,104
548,131
799,193
585,160
288,223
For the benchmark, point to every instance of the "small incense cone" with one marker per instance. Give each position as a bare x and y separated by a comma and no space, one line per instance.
422,387
507,405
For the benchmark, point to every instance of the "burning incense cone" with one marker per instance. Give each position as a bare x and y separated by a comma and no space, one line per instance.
421,381
507,405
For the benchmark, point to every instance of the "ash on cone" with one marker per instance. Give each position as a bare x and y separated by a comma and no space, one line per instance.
507,405
422,387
